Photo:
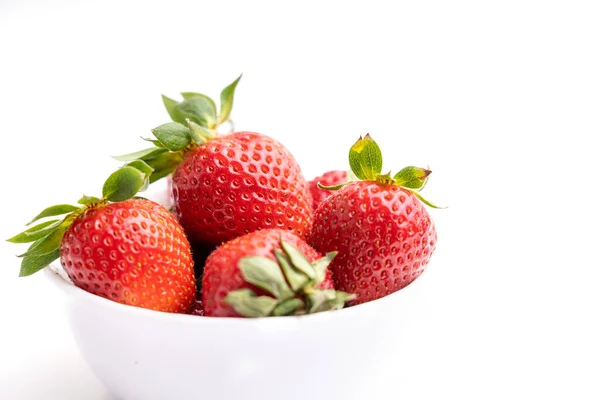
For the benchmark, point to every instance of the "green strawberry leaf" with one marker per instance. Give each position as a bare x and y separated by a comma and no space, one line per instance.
295,277
246,303
37,232
201,110
288,307
155,142
334,187
163,165
321,265
328,300
299,260
199,133
265,274
54,211
227,101
32,264
123,184
412,177
173,136
87,200
142,167
49,243
210,104
171,105
425,201
141,155
365,159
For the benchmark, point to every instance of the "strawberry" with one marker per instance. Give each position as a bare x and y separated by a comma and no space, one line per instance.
196,308
265,273
129,250
229,185
330,178
379,226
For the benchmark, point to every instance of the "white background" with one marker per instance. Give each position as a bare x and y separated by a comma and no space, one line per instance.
501,99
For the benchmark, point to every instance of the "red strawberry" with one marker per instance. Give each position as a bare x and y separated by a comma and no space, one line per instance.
240,183
132,251
196,308
225,186
330,178
268,272
381,230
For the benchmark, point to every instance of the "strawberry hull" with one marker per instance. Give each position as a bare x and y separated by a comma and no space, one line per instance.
383,234
222,272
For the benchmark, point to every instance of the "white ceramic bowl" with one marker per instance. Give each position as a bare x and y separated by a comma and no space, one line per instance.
148,355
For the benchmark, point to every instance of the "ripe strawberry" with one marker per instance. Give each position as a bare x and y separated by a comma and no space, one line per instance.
226,186
330,178
381,230
132,251
268,272
196,308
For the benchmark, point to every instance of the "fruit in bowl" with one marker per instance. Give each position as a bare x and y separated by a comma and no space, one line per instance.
244,254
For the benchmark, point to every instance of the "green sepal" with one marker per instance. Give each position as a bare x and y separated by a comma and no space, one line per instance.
296,296
32,264
87,200
163,165
425,201
264,273
296,278
171,105
328,300
141,166
141,155
53,211
366,162
173,136
227,95
298,260
155,142
365,158
210,105
49,243
198,109
412,177
37,232
334,187
321,265
199,133
123,184
245,302
288,307
144,169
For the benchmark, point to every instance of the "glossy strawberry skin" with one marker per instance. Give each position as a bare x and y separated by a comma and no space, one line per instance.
133,252
222,274
383,234
240,183
330,178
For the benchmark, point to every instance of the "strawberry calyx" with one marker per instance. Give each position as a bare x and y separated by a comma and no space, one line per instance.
366,163
194,121
46,236
291,281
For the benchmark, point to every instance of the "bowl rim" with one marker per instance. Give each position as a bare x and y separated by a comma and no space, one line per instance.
55,272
